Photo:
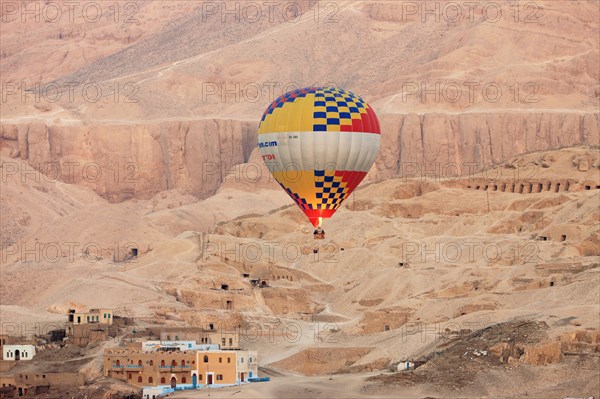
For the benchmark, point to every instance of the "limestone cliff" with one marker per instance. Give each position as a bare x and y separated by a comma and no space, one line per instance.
134,160
139,160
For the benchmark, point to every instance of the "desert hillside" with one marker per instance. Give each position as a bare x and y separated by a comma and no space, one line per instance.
410,266
178,53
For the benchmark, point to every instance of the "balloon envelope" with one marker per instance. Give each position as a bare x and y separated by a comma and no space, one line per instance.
319,144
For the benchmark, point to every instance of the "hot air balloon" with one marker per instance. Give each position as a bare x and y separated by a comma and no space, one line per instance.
319,144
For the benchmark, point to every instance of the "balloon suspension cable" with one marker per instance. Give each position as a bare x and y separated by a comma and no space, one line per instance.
320,222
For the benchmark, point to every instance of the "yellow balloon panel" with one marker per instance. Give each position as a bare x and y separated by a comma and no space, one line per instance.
319,110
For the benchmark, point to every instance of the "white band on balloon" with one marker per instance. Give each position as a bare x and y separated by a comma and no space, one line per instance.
285,151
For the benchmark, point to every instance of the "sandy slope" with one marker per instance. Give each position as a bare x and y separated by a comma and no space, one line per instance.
186,62
464,268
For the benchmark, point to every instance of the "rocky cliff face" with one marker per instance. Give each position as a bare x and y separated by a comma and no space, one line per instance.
135,160
444,145
139,160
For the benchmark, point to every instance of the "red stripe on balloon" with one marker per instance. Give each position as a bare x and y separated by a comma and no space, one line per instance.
374,121
357,125
366,122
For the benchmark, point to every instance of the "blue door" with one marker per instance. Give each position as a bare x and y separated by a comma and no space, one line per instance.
194,380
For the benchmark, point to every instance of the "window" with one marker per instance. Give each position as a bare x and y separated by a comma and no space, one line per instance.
223,341
130,376
230,341
250,359
205,358
228,360
183,380
139,362
151,362
219,377
220,360
162,362
150,380
200,377
140,378
183,362
177,338
173,362
242,360
162,380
